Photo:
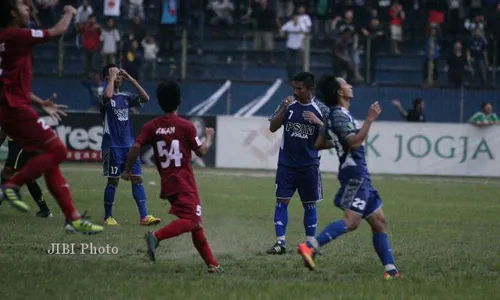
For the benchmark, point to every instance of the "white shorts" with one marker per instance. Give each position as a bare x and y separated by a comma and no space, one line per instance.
396,33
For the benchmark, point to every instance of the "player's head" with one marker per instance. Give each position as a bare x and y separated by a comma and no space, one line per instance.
14,13
303,84
105,74
334,91
486,108
168,94
418,104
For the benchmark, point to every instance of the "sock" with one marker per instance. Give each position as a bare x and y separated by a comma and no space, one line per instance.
109,200
36,193
281,220
310,220
201,244
384,251
175,228
60,190
331,232
140,198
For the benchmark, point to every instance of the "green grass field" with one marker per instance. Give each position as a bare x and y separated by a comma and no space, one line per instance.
444,233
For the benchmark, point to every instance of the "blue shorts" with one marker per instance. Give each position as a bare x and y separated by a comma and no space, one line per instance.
359,196
306,180
115,162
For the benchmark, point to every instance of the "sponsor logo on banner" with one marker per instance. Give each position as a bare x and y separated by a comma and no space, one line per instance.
260,142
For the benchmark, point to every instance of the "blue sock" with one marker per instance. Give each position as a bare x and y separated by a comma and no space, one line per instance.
310,219
384,251
109,200
281,220
331,232
140,198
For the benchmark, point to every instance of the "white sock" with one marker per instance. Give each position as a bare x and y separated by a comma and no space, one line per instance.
389,267
281,239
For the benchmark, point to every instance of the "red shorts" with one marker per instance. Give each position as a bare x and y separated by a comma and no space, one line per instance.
186,206
22,125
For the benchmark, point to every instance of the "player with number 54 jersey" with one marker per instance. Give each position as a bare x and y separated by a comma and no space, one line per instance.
173,139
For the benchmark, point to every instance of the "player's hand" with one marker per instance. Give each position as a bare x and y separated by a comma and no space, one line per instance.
113,73
396,102
288,100
311,117
126,75
209,132
68,9
126,176
52,109
374,111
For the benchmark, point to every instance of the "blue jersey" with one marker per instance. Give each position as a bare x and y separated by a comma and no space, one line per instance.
299,135
352,163
118,131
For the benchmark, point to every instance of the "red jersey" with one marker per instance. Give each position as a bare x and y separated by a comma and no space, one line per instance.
91,36
396,15
173,139
16,60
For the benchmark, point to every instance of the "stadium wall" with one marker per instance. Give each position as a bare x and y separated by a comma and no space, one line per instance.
247,143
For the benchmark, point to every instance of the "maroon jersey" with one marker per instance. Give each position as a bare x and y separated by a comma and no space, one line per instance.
16,60
173,139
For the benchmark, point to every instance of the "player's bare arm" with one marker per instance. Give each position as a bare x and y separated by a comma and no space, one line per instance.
133,153
277,121
355,141
203,150
311,117
400,108
49,106
110,88
62,26
143,95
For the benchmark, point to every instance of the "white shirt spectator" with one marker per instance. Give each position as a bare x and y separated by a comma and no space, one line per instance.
295,32
306,21
136,2
150,50
221,8
109,38
83,14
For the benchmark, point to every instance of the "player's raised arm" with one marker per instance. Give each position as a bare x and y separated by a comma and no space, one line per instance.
62,26
276,119
49,106
205,147
110,88
356,140
143,95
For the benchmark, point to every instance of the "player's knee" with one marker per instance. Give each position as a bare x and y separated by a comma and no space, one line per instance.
136,179
7,173
378,224
352,222
113,181
282,201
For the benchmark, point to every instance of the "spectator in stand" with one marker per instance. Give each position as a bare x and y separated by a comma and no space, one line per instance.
294,31
83,13
455,66
285,10
484,117
347,27
166,33
90,34
133,60
437,10
322,17
137,29
136,9
342,58
416,114
95,85
431,50
477,55
110,37
374,36
397,16
265,22
222,12
150,55
477,23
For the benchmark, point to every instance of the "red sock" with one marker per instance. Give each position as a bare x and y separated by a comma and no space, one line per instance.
201,244
59,189
175,228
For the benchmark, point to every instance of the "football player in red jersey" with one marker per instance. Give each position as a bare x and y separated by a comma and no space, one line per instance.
20,121
173,138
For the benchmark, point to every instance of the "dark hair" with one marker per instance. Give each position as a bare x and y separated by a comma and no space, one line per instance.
417,102
307,78
6,8
105,70
168,94
484,104
327,90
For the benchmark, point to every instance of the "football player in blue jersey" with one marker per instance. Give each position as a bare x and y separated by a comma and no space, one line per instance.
356,195
298,162
118,139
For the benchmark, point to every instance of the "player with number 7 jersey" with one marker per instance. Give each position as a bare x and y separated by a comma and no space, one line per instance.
173,139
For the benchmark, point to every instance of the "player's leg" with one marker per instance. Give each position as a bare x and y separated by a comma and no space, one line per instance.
352,198
139,194
285,188
377,221
111,170
311,192
203,248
